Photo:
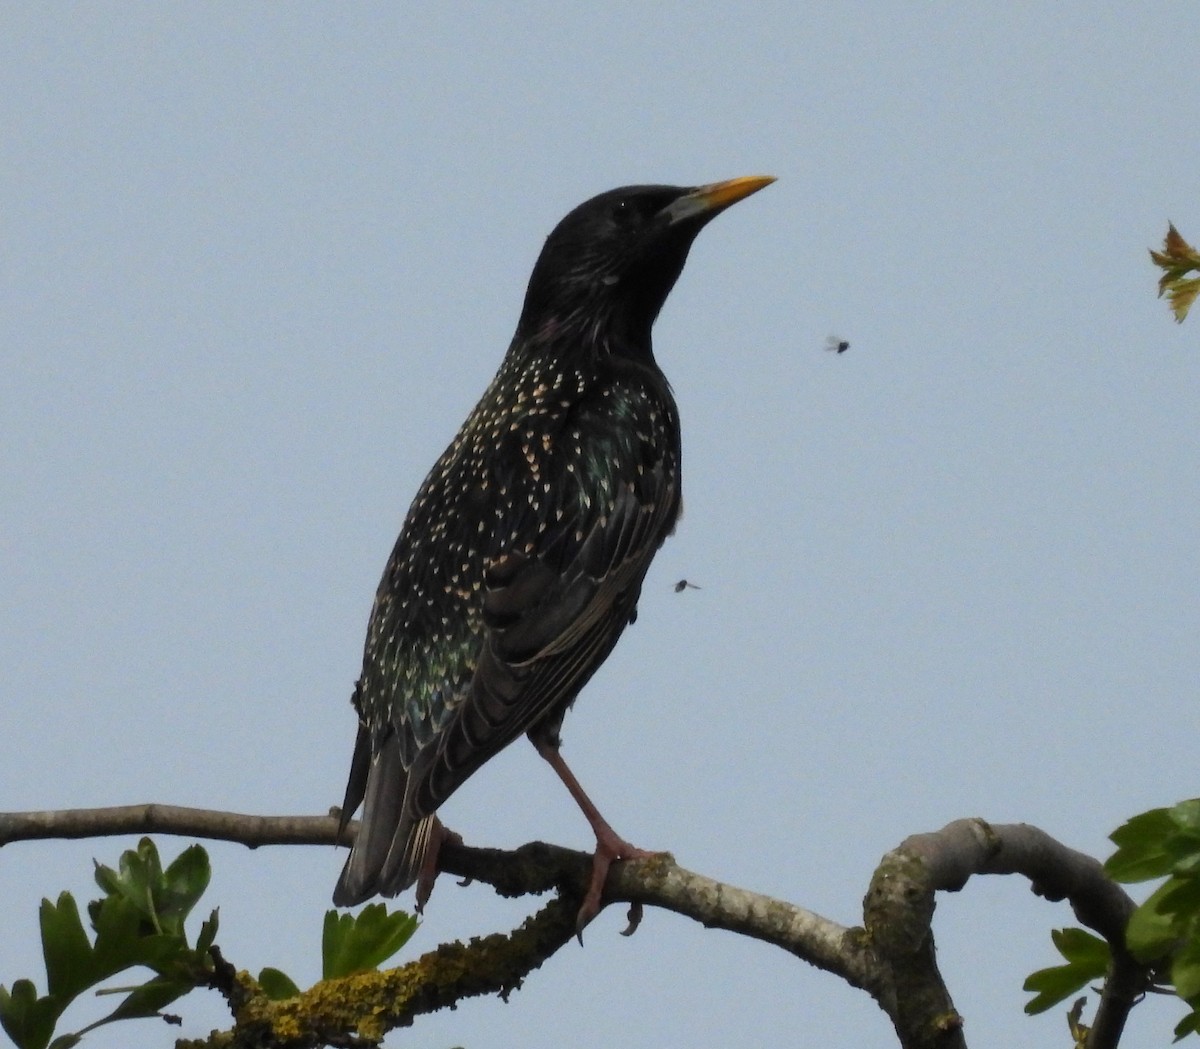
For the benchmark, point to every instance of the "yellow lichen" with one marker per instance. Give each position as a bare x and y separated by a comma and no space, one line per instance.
372,1003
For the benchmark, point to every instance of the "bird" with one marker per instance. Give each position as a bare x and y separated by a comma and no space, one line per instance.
522,556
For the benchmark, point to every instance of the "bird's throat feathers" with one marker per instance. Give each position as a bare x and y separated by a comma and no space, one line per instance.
588,341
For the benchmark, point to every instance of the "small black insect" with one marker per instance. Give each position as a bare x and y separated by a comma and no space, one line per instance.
836,345
683,585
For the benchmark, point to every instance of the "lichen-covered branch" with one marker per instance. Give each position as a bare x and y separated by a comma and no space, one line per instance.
361,1009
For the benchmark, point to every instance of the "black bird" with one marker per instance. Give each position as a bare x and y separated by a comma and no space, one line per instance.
523,554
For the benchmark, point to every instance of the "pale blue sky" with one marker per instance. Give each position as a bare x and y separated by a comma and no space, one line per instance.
259,261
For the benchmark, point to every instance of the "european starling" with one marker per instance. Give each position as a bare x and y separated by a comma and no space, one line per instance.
522,557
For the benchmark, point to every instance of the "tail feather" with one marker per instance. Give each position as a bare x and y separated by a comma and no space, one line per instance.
407,857
387,854
356,784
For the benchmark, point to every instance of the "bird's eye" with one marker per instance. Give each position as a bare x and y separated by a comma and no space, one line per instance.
626,214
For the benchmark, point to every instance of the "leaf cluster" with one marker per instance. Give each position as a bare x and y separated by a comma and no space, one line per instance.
138,922
350,943
1177,259
1163,932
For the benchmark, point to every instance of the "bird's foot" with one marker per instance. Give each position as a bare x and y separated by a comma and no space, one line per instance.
610,849
438,836
610,846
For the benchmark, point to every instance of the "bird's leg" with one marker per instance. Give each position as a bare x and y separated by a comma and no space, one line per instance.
438,836
610,846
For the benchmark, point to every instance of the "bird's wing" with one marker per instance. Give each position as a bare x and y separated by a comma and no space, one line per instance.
553,610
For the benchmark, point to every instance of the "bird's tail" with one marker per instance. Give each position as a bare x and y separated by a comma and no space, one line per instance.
391,845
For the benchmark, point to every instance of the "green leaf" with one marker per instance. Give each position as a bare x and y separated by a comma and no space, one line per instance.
66,1041
135,869
1190,1024
124,939
147,1000
130,882
277,985
208,934
27,1019
151,865
1185,970
70,964
107,879
1181,899
1052,986
1140,851
353,944
1151,932
181,887
1186,815
1185,855
164,899
1082,948
1087,959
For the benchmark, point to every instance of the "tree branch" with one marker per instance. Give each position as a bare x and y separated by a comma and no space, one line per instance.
899,909
361,1009
892,957
251,831
660,882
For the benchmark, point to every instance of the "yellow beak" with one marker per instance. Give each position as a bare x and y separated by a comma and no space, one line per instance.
708,200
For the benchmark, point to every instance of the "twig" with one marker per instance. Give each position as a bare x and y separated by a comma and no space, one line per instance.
251,831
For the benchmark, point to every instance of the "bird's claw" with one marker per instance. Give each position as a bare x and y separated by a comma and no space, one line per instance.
607,853
634,917
424,891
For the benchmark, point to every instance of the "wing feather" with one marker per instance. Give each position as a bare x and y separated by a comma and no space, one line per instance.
550,624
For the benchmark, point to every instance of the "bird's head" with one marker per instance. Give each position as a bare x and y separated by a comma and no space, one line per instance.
608,266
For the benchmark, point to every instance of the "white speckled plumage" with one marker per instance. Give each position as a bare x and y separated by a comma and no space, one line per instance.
522,556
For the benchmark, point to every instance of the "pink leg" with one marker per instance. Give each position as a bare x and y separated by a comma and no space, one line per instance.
610,846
